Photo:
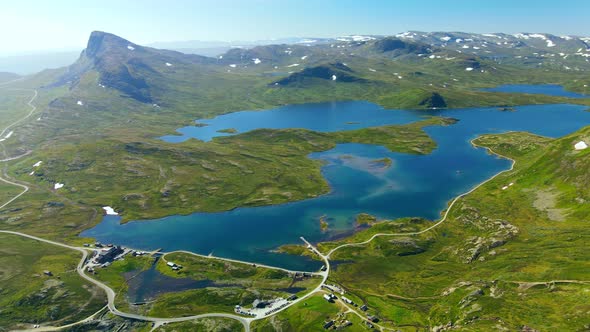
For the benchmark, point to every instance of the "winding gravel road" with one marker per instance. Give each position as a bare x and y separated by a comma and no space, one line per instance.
24,187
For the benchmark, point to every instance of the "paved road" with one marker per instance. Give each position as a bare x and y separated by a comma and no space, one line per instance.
17,157
59,328
33,109
234,261
24,187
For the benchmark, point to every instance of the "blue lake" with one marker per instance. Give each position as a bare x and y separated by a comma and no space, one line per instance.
414,185
326,117
544,89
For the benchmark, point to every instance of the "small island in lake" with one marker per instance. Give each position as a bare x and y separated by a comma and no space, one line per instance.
507,109
228,131
323,223
382,163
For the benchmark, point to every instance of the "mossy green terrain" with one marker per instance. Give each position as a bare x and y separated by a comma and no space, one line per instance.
203,325
28,296
310,315
13,105
106,321
500,261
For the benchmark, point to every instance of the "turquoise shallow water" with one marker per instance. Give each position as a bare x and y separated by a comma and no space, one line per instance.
412,186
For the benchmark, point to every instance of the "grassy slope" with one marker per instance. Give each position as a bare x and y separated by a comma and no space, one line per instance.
29,297
203,325
108,322
308,315
13,105
8,191
474,270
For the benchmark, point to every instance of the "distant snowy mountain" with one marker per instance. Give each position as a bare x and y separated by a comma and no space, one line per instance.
528,49
213,48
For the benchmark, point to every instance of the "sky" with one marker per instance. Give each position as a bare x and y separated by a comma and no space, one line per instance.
28,25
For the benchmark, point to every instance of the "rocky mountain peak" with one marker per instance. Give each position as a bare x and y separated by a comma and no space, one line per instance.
102,42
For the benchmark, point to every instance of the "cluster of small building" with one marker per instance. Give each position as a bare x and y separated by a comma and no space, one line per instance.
108,255
303,275
239,310
104,255
370,318
174,266
330,297
332,324
271,306
334,289
337,324
349,301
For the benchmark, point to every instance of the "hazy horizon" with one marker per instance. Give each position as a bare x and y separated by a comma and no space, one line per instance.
64,25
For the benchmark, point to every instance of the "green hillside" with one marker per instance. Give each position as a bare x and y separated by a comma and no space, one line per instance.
508,256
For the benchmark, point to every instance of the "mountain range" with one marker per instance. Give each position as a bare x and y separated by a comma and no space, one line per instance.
143,73
525,48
